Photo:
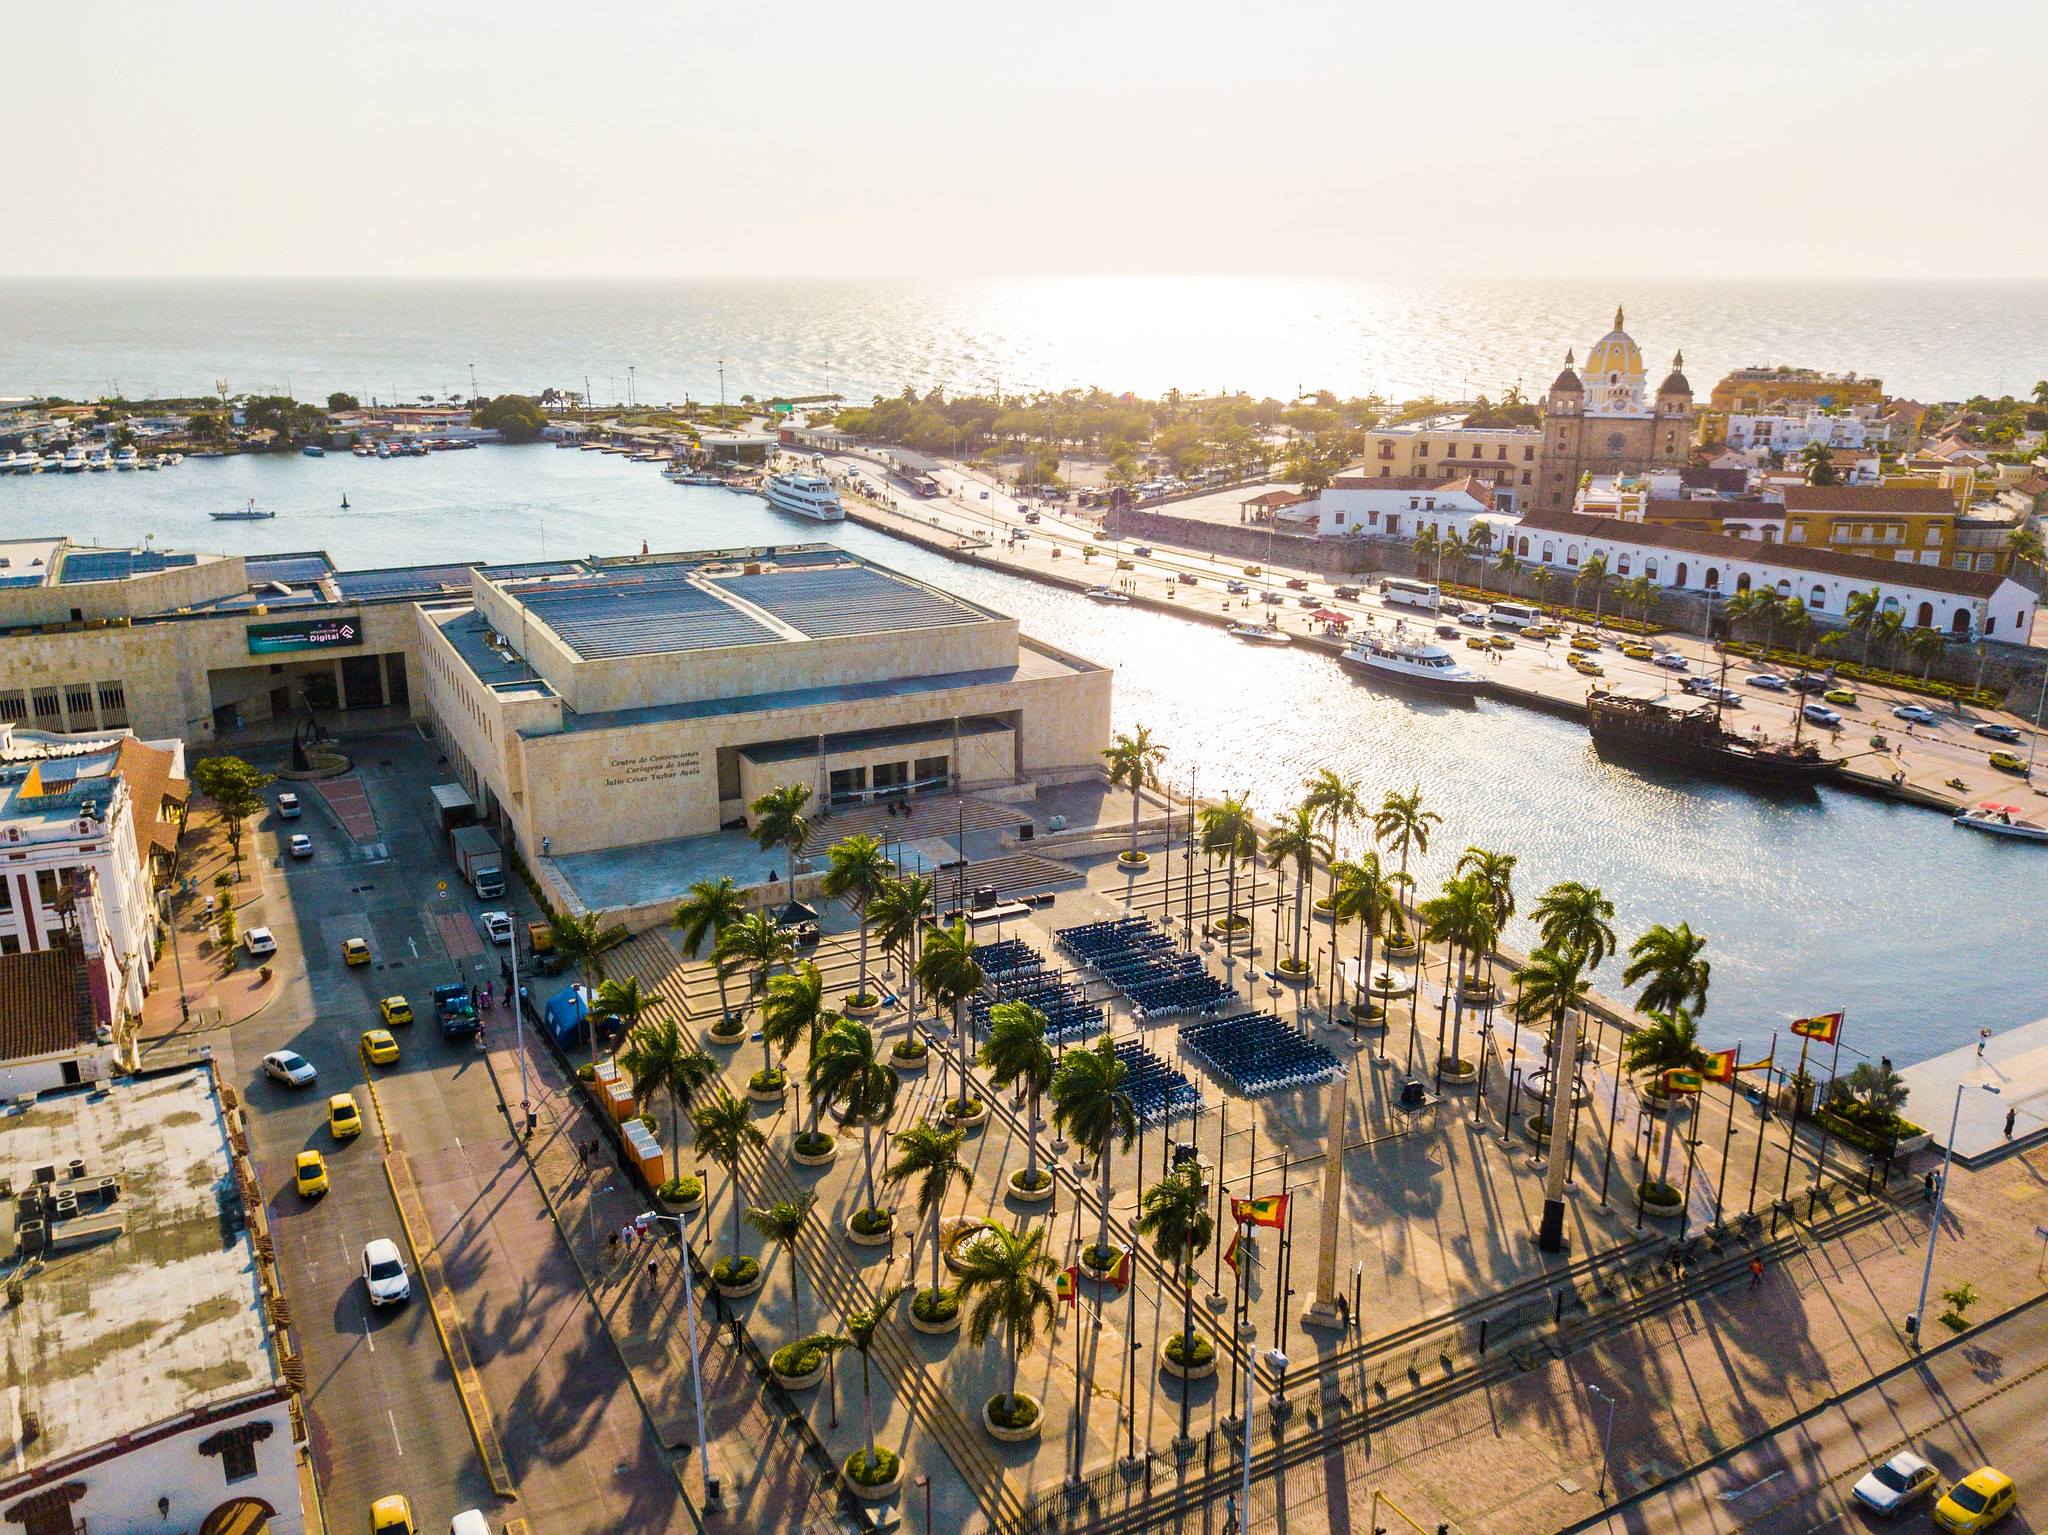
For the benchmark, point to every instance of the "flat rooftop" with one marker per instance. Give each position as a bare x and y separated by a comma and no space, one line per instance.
119,564
27,561
164,1315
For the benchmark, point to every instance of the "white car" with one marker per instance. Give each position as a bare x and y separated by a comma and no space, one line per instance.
289,1067
1821,714
384,1273
1770,682
301,845
497,926
1671,661
258,942
1916,714
1903,1479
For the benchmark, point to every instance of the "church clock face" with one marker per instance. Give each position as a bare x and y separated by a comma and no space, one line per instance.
1616,442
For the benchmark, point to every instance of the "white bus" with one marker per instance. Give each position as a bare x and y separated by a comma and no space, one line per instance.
1513,615
1400,592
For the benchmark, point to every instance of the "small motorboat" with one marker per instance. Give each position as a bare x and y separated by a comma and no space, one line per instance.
248,513
2002,821
1260,634
313,450
1106,594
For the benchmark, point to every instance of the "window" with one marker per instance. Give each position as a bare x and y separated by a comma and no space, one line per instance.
930,770
48,710
1528,455
46,886
1522,548
1549,554
78,703
113,703
1422,450
13,706
1713,579
1385,473
1501,451
1621,566
1571,554
1818,599
1679,579
1525,476
238,1460
1340,519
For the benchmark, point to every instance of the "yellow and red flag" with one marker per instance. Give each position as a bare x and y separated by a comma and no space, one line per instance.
1230,1252
1120,1276
1269,1210
1681,1079
1066,1284
1825,1027
1720,1066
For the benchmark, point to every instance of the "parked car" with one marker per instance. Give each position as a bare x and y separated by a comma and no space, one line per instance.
1807,682
385,1278
1584,667
1770,682
1999,732
1348,593
1472,620
1915,714
2009,762
289,1067
258,942
497,926
301,845
1637,652
392,1515
1902,1480
1297,584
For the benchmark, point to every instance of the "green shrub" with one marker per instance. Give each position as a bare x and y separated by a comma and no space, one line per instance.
731,1026
910,1049
813,1143
871,1222
1101,1259
1652,1192
1024,1178
736,1270
940,1305
770,1079
798,1358
1012,1412
681,1190
586,1072
879,1474
964,1108
1177,1351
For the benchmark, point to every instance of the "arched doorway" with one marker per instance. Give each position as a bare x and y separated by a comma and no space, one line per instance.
239,1516
1924,618
1679,579
1742,582
1713,579
1960,623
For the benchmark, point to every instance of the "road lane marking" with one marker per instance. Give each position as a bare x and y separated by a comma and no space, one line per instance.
366,1333
396,1442
1730,1497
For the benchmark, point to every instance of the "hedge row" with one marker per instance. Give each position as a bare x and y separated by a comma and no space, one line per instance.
1874,676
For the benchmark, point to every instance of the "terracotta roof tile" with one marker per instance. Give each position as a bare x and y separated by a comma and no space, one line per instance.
1874,500
147,770
45,1004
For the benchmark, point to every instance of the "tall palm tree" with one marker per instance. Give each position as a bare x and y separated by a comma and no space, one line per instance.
1552,984
793,1009
1091,1104
1228,828
1017,1055
1668,1042
1461,918
757,943
1636,594
626,1001
856,871
1294,839
783,1222
725,1129
1891,623
1495,873
659,1057
1507,567
1926,646
1335,798
1365,895
1004,1272
1861,612
1594,574
1451,547
898,913
861,1327
1175,1213
1796,621
712,906
1427,547
1134,764
1743,607
1479,544
1667,960
1572,915
583,941
932,1157
847,1069
780,820
950,975
1402,821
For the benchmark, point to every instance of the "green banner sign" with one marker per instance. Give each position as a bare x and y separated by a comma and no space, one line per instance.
328,633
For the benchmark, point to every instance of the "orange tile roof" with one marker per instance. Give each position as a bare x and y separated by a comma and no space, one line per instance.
147,770
45,1003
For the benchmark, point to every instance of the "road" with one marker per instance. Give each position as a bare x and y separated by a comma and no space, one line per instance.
1969,1405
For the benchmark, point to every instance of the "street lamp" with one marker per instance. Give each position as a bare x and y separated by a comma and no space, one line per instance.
1948,1156
1606,1438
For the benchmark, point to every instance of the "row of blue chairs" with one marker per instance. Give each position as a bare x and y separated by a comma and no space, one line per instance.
1158,1092
1068,1016
1257,1053
1095,941
1007,957
1199,993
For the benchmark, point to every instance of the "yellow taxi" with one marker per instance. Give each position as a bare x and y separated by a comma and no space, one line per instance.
379,1048
1532,631
1551,631
1476,642
309,1174
1126,564
1585,642
392,1515
1500,642
355,951
344,1119
1841,696
1637,652
1252,570
395,1010
1584,667
2009,762
1975,1503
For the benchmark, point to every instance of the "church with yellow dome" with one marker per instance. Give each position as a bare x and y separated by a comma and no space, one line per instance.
1602,418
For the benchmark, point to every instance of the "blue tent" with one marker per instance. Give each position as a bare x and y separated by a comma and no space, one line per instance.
565,1013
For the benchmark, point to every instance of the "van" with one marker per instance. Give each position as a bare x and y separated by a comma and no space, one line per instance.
288,807
469,1522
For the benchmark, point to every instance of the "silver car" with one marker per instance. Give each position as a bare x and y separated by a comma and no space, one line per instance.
384,1273
289,1067
1902,1480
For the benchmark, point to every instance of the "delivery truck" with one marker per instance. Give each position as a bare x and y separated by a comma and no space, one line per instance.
477,856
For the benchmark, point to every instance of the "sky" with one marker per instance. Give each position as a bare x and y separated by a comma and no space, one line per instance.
1811,139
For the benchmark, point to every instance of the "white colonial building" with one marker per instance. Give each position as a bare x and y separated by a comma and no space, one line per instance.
1359,506
1794,434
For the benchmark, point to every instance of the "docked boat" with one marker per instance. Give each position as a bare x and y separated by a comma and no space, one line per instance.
74,461
152,462
125,458
246,514
1412,663
1107,594
313,450
1259,634
2002,821
806,495
1689,733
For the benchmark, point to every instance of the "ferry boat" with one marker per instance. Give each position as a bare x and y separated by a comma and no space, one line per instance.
1691,735
1105,594
2002,821
246,514
1412,663
806,495
1259,634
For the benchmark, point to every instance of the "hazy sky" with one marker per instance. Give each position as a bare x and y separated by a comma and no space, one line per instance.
1800,139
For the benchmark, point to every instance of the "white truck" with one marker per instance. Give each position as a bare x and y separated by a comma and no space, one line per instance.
477,856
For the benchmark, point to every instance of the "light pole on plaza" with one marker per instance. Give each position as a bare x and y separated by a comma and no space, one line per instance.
1606,1437
1948,1156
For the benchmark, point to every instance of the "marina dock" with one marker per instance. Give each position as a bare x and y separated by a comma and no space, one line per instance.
2016,1063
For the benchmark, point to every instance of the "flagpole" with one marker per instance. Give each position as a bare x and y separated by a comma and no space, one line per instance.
1820,1166
1613,1113
1236,1311
1692,1156
1222,1140
1791,1135
1280,1257
1756,1165
1728,1139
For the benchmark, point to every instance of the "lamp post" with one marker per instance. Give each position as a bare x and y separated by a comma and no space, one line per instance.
696,1377
1606,1438
1948,1156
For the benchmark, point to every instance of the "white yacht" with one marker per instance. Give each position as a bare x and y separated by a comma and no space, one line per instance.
2002,821
74,460
1261,634
807,495
124,458
1413,664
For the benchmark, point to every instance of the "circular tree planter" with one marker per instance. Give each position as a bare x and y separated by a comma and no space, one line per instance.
1229,932
688,1200
1031,1193
857,1007
915,1060
1370,1016
1405,948
1658,1200
954,1233
1459,1073
781,1364
1289,976
1133,863
806,1152
935,1320
737,1278
768,1086
1201,1367
1386,985
872,1485
975,1117
1479,993
1320,910
1100,1264
1020,1423
863,1232
717,1036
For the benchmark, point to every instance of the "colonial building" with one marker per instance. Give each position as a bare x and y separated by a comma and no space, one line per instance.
1607,421
1509,460
1766,389
1359,506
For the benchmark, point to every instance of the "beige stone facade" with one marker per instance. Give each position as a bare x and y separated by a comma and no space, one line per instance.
1603,420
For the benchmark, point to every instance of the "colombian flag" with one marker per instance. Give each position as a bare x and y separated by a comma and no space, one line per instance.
1268,1211
1066,1284
1825,1028
1720,1066
1680,1080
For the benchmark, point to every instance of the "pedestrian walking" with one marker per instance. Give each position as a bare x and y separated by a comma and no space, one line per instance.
653,1272
2010,1116
1756,1270
612,1244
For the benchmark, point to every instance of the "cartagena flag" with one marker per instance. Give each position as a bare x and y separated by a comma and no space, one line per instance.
1681,1080
1066,1284
1120,1276
1825,1028
1720,1066
1230,1252
1268,1211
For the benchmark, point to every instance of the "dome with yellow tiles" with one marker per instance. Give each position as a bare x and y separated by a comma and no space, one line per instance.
1614,356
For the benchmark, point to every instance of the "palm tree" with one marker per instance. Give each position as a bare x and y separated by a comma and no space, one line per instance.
1228,828
1669,1042
1365,894
1005,1273
783,1222
1743,607
856,872
1402,821
1636,594
847,1069
1176,1215
712,906
1495,873
1552,984
1427,547
951,975
779,821
898,912
725,1129
1507,567
932,1157
626,1002
1796,622
583,941
1294,839
1891,623
1479,544
1016,1055
1861,611
1462,919
861,1327
1926,646
792,1009
1594,574
1090,1103
757,943
1333,796
1572,915
659,1057
1134,764
1668,960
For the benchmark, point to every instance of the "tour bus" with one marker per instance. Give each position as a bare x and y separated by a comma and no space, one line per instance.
1400,592
1513,615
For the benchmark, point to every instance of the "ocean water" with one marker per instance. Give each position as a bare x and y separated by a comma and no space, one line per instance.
1268,336
1921,931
